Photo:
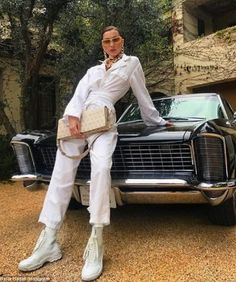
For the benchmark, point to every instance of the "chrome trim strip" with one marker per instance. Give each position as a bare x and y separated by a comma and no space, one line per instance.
24,177
155,181
142,182
194,158
223,107
220,186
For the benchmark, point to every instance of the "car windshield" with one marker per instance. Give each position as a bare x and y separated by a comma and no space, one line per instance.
181,108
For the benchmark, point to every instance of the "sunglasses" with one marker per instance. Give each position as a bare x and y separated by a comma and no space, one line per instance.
109,41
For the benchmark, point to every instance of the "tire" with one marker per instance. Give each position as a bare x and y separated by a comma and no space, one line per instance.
32,185
74,204
225,213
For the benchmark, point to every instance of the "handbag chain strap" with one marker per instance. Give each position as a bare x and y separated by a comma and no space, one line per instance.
80,156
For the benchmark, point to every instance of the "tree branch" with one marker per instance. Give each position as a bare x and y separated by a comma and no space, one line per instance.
30,13
5,121
46,34
26,36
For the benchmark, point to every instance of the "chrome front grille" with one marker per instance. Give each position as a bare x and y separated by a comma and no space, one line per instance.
138,157
48,156
152,157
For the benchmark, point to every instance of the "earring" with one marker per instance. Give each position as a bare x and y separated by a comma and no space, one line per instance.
122,50
105,55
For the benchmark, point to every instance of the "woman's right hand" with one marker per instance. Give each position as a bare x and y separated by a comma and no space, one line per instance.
74,125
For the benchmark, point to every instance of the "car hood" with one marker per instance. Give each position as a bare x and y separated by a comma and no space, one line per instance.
179,131
132,131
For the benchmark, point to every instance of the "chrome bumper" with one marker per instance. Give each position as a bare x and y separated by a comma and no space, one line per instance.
220,186
158,183
25,177
190,193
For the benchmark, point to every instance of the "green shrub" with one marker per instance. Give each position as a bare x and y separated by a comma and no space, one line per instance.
7,158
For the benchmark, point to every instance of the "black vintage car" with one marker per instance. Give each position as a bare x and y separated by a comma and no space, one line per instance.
192,161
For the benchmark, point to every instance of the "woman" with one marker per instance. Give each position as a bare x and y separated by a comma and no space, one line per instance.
104,84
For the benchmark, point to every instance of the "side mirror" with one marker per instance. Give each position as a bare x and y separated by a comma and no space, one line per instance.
234,116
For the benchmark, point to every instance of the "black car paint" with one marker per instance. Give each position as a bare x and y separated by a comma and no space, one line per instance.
185,132
179,132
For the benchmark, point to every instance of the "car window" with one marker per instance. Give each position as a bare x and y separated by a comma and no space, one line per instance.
133,114
207,107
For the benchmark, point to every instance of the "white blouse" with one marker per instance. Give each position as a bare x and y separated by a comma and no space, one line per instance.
101,87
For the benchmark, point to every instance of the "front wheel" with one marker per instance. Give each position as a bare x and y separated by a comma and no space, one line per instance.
74,204
33,185
75,201
225,213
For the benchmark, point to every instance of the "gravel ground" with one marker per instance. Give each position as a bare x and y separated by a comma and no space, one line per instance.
143,243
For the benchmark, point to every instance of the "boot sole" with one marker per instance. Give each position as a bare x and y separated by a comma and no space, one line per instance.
58,257
91,278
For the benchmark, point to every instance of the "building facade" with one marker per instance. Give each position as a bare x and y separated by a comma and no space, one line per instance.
204,41
204,60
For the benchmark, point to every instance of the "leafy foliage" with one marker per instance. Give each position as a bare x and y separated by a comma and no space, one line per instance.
31,25
141,22
71,30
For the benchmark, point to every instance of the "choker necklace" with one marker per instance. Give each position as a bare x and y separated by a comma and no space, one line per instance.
109,62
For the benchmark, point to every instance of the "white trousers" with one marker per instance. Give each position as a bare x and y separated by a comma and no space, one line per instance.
60,188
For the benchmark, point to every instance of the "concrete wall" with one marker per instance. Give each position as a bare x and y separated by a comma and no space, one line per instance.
191,17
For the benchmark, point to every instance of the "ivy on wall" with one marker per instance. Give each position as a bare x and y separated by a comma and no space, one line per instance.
206,60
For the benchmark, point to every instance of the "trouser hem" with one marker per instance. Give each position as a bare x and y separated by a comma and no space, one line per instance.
48,223
93,222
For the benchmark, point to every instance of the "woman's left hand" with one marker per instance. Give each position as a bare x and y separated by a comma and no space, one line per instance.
74,125
168,123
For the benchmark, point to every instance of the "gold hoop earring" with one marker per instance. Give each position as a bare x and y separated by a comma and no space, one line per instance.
122,50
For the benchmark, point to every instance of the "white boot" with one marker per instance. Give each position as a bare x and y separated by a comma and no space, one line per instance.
46,250
93,255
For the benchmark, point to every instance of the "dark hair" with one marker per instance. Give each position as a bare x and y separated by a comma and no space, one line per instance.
108,28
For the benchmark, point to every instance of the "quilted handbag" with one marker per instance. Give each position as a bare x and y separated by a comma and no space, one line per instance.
96,120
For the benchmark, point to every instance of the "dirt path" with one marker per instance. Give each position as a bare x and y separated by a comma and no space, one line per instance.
143,243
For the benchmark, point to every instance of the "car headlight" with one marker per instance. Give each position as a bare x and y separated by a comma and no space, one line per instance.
210,157
24,157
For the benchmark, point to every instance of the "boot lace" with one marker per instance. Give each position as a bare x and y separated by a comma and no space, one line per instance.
91,250
40,241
